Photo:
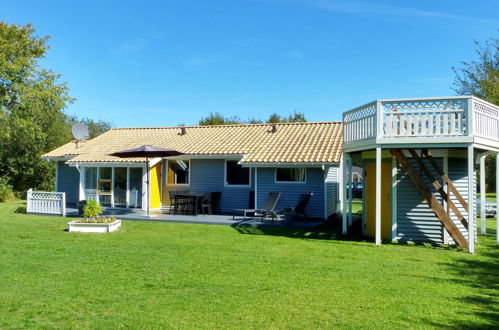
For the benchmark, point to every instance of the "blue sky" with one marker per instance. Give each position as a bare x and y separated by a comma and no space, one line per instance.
161,63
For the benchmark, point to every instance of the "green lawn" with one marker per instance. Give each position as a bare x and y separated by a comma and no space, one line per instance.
152,275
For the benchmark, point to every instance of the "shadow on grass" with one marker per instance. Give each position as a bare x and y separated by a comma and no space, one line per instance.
480,274
329,230
21,210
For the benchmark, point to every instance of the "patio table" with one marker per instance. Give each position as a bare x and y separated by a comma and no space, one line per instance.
192,200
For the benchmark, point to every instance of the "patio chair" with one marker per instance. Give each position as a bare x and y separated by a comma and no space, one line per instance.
301,205
267,210
215,202
206,203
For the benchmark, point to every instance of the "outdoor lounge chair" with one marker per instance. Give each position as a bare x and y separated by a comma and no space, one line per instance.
301,205
267,210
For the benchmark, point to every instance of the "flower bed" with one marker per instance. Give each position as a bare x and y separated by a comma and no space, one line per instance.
94,225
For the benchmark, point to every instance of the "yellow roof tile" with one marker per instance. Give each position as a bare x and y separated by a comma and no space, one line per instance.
313,142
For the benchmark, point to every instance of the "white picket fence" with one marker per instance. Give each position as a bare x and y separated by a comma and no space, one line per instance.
44,202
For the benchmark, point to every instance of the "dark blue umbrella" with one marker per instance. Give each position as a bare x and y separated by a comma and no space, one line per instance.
146,151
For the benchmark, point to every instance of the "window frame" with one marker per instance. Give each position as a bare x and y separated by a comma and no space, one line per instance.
226,184
177,184
291,182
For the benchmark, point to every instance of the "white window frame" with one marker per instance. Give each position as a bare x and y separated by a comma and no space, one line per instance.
226,184
177,184
290,182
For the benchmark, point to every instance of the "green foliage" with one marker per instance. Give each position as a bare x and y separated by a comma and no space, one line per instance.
5,190
480,77
295,117
95,127
96,219
32,103
91,210
216,118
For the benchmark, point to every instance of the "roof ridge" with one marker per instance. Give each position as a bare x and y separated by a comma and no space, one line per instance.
228,125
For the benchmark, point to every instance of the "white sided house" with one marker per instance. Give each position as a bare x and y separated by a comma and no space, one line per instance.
418,157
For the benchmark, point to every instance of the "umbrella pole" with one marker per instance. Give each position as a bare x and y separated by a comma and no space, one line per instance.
148,194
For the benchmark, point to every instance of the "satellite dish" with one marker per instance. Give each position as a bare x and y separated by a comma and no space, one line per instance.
80,131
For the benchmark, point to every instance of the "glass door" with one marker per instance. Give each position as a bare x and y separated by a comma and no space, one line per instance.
136,175
119,192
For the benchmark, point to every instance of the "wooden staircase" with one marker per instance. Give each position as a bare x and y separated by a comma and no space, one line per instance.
432,202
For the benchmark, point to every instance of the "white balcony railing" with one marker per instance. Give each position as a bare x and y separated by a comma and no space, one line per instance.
437,117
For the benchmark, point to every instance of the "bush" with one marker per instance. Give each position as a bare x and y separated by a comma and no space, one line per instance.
92,209
5,190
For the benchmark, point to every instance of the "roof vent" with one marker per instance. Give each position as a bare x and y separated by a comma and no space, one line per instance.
183,131
274,128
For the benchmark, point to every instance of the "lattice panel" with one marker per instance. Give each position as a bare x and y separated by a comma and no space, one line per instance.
46,196
360,113
486,120
425,105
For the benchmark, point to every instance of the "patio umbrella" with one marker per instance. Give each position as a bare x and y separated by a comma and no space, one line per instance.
146,151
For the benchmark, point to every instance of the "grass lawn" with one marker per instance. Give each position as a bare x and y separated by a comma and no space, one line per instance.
153,275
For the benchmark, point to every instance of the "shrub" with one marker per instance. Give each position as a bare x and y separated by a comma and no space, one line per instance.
92,209
5,190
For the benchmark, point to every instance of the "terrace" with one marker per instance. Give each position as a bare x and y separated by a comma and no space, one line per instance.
449,120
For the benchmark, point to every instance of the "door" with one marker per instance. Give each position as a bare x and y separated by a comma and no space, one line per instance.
370,199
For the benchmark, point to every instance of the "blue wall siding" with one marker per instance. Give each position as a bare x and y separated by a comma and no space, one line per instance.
68,181
415,220
291,191
332,187
208,175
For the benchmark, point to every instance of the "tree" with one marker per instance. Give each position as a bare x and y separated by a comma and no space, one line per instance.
32,103
95,127
31,108
480,77
216,118
295,117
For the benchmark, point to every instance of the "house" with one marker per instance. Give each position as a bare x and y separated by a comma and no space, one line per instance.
418,157
244,162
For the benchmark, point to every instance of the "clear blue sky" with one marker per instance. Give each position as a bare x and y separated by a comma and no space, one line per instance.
158,63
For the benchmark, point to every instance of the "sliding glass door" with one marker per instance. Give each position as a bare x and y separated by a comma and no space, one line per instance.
109,185
119,193
136,175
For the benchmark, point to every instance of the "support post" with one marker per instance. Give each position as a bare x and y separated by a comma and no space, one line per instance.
378,196
394,199
127,196
112,186
81,187
350,188
256,188
448,200
344,194
483,220
497,198
471,196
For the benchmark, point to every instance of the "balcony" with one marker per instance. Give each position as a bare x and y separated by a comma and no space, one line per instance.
450,120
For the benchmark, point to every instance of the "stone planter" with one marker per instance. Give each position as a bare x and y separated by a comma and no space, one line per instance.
94,227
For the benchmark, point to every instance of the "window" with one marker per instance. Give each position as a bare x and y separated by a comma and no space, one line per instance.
104,185
235,174
290,175
178,172
91,178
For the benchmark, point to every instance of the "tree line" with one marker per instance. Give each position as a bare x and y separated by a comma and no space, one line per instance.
216,118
